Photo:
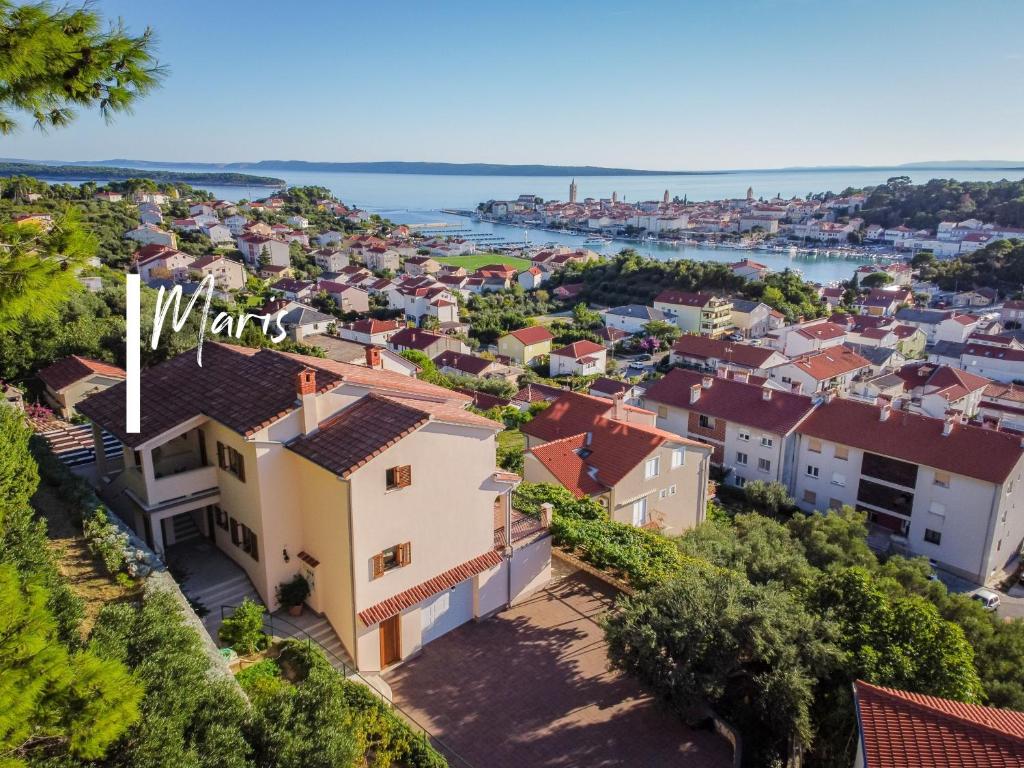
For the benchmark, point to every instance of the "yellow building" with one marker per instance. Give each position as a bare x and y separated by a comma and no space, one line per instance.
526,345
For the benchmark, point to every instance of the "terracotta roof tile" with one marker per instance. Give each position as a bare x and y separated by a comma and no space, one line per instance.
68,370
535,334
900,729
450,578
578,349
706,348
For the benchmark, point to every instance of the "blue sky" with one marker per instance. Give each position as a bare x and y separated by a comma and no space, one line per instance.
667,85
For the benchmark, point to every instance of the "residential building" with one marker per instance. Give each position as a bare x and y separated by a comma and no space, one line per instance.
751,427
150,234
833,369
228,274
72,379
257,249
643,476
632,318
1003,364
368,355
753,318
460,364
378,488
421,265
805,338
349,297
525,345
581,358
381,259
707,354
300,320
901,729
702,313
940,488
330,259
161,262
370,331
612,388
530,279
429,343
747,268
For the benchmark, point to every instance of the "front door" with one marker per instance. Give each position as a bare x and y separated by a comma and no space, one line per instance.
390,641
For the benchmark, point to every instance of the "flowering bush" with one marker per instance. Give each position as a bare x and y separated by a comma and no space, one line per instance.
109,543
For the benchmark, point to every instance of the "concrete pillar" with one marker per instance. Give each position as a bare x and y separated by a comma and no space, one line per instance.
156,524
101,456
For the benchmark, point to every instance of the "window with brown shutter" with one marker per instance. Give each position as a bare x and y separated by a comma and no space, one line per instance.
378,566
405,553
250,543
398,477
220,516
236,537
220,456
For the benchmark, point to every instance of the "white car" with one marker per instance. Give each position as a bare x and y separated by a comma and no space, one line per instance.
988,598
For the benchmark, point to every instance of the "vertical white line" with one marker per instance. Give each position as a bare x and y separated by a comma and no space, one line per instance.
133,327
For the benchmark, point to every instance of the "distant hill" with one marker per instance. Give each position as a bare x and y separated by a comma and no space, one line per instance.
74,172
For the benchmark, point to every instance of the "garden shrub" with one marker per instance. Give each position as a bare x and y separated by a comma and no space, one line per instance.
243,629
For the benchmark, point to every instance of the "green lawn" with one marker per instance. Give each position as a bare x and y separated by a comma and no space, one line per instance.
478,260
511,440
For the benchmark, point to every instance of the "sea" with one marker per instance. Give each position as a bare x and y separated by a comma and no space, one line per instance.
421,199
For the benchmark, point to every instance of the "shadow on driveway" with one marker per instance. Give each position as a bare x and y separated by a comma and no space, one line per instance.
530,687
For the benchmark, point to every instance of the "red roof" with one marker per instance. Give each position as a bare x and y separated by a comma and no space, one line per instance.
68,370
535,393
571,414
469,364
578,349
830,363
535,334
372,326
984,454
414,338
996,353
447,580
683,298
823,331
734,401
900,729
716,349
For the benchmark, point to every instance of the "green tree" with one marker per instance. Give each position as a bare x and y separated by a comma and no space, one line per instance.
876,280
56,58
838,537
663,331
770,498
54,702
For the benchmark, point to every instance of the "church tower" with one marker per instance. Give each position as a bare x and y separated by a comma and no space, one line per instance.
750,194
664,198
615,197
572,191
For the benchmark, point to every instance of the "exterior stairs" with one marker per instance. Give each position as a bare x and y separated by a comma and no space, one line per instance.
185,528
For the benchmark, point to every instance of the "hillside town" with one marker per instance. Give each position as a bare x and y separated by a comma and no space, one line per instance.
392,415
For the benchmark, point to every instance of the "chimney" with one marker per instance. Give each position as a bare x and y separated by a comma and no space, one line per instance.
741,376
707,381
766,392
373,357
798,387
884,412
694,393
619,406
723,372
547,509
305,390
947,425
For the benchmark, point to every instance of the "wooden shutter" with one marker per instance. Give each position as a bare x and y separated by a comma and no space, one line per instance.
378,566
405,553
220,455
241,466
404,476
234,532
254,546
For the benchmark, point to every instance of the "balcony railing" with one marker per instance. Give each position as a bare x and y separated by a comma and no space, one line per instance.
162,490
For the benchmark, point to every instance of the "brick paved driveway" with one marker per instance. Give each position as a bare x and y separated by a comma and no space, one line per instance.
530,688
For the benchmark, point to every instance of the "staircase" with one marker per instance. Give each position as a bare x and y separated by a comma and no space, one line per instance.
230,592
185,528
319,630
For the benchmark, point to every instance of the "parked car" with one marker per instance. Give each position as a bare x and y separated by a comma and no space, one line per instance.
636,365
988,598
735,337
642,359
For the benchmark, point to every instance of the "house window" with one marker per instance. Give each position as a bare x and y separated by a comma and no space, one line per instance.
652,468
640,512
677,457
398,477
250,543
662,411
812,471
744,436
942,479
767,442
842,453
671,490
838,479
220,517
810,497
787,380
741,458
663,493
764,465
393,557
231,461
706,422
932,537
814,446
236,532
937,509
835,504
740,481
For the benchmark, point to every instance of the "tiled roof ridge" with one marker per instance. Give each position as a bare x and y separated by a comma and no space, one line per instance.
950,709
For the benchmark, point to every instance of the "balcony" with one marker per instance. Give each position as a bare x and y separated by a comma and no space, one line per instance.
172,490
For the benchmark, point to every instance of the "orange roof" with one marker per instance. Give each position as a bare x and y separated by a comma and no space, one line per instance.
900,729
535,334
579,349
831,362
68,370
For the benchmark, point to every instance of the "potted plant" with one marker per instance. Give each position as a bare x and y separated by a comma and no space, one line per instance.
292,594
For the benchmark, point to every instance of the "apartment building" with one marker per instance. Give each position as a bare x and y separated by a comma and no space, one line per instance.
750,426
830,369
707,354
379,488
940,488
702,313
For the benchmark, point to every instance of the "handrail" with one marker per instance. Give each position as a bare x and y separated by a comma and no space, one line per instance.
348,672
